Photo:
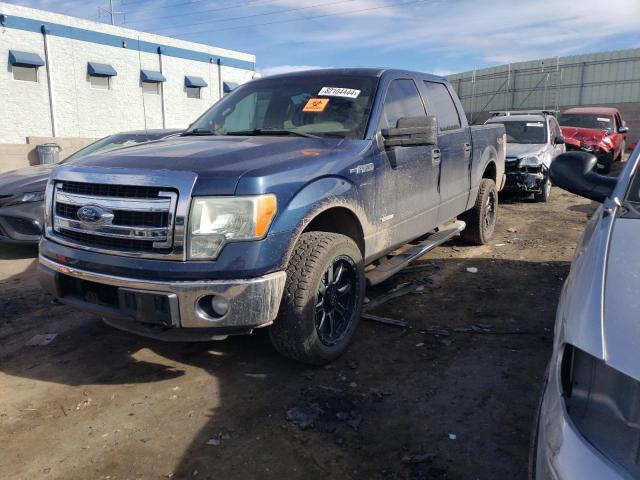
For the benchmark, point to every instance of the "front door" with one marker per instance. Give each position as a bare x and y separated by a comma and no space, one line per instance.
412,172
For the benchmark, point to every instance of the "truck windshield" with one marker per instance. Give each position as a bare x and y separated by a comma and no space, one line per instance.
634,190
598,122
526,132
319,105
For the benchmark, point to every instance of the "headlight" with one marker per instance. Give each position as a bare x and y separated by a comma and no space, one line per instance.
215,221
532,161
587,148
603,405
28,198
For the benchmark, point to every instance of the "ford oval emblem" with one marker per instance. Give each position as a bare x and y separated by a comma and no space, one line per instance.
94,215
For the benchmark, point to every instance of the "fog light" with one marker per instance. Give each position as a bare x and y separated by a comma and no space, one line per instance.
213,307
219,305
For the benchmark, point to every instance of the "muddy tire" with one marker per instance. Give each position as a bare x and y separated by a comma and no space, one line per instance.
322,300
481,219
545,193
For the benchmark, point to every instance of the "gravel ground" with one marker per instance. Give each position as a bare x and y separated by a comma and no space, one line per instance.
453,396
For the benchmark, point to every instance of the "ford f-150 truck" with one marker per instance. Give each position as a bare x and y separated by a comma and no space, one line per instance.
275,208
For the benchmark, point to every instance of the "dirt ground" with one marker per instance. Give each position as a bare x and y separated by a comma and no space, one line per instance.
451,397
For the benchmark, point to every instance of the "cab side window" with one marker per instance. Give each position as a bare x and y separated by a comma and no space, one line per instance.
555,130
442,105
402,100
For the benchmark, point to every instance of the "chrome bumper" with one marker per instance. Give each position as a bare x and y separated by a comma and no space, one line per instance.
252,302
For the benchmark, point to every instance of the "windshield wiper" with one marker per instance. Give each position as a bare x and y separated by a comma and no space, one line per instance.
271,131
200,131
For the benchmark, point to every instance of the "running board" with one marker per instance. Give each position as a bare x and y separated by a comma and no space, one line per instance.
389,268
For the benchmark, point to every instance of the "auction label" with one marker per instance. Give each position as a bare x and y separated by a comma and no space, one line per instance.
316,105
339,92
535,125
601,119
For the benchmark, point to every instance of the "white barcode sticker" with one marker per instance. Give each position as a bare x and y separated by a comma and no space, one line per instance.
339,92
602,119
540,124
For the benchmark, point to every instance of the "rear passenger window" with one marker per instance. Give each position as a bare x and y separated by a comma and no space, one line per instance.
442,105
402,100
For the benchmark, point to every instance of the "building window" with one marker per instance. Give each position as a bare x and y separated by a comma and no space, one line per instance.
152,88
25,74
100,75
193,86
193,92
101,83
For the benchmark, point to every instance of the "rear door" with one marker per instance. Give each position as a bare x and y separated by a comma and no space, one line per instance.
412,174
454,143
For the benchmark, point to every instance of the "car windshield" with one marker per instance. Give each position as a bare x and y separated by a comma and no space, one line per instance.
106,144
319,105
598,122
526,132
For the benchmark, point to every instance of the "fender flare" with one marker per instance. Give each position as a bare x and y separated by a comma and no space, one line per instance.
312,200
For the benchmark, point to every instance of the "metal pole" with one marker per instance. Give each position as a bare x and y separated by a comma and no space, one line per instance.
47,59
111,12
220,86
164,111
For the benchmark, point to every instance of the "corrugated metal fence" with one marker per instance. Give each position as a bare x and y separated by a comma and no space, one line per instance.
609,78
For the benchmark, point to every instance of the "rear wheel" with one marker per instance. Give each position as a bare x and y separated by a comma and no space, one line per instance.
481,219
322,301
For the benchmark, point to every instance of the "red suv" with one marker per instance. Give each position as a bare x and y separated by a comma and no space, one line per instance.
598,130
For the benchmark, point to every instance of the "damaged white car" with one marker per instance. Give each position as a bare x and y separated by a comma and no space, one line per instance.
589,419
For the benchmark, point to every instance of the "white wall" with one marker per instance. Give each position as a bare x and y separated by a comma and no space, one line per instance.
82,111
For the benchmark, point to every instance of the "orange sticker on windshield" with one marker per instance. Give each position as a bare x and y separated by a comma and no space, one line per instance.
316,105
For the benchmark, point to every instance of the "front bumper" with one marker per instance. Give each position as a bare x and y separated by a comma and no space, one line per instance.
562,452
526,179
166,310
22,223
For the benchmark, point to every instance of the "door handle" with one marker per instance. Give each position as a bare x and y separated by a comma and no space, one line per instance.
435,157
467,147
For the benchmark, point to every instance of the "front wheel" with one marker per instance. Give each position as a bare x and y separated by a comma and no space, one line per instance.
322,301
481,219
545,192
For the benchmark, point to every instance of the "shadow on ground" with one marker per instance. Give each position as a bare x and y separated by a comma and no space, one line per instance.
455,392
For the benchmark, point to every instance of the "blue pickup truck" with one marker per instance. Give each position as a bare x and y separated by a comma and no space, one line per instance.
274,209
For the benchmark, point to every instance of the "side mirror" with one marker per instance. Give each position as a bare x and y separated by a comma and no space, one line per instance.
559,140
623,129
412,132
573,172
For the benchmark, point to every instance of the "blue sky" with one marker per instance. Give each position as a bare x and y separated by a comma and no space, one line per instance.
437,36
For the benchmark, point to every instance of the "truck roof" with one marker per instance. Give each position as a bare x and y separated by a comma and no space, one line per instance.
594,110
516,118
357,72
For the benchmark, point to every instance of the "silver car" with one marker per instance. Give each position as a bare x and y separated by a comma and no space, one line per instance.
589,418
534,139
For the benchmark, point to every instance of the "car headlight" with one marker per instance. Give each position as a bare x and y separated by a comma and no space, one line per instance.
532,161
27,198
587,148
215,221
603,405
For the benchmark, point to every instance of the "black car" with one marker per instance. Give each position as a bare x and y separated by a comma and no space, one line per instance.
22,191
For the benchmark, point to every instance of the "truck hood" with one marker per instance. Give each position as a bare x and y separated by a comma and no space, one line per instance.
218,161
521,150
29,179
621,321
578,136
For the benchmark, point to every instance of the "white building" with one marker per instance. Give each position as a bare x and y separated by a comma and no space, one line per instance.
67,78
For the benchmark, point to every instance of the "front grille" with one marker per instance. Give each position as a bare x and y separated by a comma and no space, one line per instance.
109,243
510,167
103,190
121,218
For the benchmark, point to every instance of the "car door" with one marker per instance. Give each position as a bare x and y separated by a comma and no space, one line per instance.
454,143
412,174
555,132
